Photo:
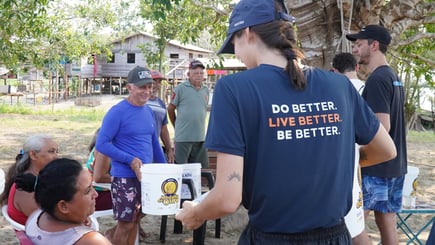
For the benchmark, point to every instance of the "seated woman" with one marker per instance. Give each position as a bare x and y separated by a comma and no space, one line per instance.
37,151
98,165
64,193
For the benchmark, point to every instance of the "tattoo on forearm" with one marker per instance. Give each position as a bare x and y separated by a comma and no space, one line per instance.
235,176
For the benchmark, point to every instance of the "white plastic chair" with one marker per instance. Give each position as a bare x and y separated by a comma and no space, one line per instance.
13,223
2,180
107,212
19,227
102,213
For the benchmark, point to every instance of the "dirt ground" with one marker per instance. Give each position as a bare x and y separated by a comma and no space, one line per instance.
73,143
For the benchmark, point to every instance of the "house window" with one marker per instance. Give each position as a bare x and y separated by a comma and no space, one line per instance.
190,56
199,55
174,56
131,58
112,59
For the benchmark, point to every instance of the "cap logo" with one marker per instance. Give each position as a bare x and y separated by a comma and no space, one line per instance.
239,23
144,74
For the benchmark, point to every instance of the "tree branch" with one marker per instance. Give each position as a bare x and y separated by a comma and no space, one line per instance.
424,59
415,38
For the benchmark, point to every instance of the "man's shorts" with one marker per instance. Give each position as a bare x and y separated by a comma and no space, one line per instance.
191,152
382,194
126,199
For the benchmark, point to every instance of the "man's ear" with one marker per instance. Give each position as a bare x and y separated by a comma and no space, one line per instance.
375,44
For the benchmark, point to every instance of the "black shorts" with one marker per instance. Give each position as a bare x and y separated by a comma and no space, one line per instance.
336,235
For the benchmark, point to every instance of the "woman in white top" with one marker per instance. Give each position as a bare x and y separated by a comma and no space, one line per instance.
64,193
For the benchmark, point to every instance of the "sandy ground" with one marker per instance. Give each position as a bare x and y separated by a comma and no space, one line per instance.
421,155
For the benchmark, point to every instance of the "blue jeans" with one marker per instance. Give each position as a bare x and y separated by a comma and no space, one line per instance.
336,235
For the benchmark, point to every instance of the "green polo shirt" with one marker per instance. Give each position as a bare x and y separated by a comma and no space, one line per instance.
191,106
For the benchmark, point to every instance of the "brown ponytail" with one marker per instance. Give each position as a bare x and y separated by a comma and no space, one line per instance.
285,40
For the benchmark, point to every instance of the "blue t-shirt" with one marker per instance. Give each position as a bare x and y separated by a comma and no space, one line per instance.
384,94
298,145
160,115
128,131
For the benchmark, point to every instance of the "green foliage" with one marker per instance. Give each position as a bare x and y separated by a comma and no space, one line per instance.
186,20
23,24
152,56
410,61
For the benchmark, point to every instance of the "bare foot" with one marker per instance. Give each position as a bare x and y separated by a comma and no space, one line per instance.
142,234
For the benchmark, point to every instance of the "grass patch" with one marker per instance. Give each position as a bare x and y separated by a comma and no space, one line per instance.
72,114
420,136
16,109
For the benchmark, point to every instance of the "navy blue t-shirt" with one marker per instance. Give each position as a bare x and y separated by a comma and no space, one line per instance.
384,94
298,145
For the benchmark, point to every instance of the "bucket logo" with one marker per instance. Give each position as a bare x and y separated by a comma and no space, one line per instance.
169,190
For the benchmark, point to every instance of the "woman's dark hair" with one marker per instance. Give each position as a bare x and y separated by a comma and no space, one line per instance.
55,182
284,40
23,161
93,140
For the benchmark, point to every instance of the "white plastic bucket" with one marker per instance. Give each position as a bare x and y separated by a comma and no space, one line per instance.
354,219
410,183
191,171
161,188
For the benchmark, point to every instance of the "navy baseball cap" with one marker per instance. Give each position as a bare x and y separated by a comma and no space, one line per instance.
375,32
250,13
196,63
140,76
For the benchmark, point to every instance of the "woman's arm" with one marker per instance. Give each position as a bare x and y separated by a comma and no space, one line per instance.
380,149
93,238
225,197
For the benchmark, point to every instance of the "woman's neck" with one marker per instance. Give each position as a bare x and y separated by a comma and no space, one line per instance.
272,57
52,223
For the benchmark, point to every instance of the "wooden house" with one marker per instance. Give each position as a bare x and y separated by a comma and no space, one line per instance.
111,74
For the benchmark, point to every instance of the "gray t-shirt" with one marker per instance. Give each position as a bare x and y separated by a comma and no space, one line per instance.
191,112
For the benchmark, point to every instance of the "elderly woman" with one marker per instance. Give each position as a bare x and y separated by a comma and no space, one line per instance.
63,191
37,151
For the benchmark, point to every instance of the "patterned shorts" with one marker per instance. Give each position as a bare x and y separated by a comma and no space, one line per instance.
126,199
382,194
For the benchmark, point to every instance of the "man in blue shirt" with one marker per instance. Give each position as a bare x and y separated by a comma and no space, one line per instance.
160,115
128,136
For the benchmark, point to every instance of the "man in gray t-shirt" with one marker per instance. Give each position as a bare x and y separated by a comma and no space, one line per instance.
190,99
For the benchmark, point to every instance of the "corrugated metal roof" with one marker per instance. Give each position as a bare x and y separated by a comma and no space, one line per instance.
172,42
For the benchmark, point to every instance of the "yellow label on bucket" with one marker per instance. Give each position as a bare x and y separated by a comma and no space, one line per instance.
169,192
